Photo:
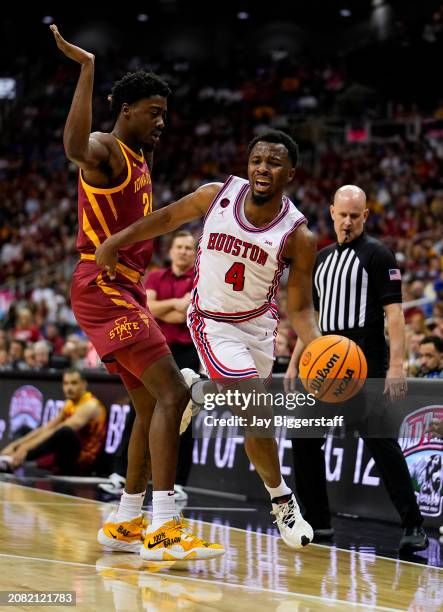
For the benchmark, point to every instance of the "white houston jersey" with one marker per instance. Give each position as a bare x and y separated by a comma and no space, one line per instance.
239,266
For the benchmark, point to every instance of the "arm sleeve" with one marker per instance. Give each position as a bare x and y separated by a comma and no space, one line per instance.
153,280
386,276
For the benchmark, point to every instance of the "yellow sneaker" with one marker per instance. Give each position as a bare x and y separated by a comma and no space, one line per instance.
174,540
126,536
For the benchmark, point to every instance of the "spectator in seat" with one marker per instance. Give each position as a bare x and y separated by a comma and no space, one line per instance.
71,442
437,318
53,336
25,328
416,331
41,355
29,357
3,340
431,358
5,364
16,352
282,351
75,349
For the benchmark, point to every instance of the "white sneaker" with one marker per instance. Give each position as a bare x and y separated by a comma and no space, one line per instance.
115,486
294,530
180,493
6,464
190,378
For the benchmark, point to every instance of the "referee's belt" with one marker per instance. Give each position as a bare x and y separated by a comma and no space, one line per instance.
129,273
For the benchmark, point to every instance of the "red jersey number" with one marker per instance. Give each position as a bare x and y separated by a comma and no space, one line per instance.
235,276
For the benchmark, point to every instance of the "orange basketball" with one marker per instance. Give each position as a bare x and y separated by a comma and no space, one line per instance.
333,368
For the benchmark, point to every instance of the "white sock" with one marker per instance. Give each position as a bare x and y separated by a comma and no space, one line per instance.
282,489
130,506
163,508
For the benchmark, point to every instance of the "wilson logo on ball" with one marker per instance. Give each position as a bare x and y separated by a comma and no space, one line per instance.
333,368
322,375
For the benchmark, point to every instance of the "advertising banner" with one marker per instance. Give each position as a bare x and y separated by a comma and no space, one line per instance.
219,461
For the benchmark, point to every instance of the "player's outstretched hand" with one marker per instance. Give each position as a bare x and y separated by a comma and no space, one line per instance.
290,378
106,257
75,53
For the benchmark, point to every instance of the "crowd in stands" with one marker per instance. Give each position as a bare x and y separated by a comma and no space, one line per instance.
211,121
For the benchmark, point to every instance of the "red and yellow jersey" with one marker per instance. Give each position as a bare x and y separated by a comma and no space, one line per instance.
103,212
93,435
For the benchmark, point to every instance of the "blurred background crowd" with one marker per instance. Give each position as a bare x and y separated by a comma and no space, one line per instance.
333,86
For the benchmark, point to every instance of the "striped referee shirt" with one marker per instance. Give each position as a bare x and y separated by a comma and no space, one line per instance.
351,284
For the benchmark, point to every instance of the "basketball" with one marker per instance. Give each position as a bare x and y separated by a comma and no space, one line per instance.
333,368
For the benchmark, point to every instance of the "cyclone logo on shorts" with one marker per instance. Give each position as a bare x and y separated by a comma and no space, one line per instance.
25,408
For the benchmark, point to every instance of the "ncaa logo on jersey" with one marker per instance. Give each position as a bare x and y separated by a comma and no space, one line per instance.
224,203
123,328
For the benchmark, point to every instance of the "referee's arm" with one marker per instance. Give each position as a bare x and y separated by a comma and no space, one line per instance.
387,281
395,383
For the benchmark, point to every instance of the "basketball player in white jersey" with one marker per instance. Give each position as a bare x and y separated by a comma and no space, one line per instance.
251,233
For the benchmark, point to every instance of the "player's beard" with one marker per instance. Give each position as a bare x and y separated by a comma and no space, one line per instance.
260,199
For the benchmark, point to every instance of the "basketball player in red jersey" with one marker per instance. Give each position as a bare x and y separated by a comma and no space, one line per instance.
114,191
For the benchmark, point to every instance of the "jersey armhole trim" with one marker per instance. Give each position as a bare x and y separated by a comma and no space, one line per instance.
109,190
217,197
297,223
140,158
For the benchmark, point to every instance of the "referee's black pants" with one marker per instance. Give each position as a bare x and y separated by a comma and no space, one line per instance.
310,474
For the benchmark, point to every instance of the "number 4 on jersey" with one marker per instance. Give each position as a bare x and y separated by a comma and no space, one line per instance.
235,276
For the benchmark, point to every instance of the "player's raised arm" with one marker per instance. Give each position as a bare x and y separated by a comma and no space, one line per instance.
86,151
301,250
163,221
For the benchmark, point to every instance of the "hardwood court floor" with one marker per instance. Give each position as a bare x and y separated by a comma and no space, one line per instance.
47,542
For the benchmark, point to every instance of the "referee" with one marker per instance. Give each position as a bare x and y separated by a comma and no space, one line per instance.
356,283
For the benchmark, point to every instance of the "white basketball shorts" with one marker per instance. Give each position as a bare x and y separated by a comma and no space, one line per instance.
235,350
